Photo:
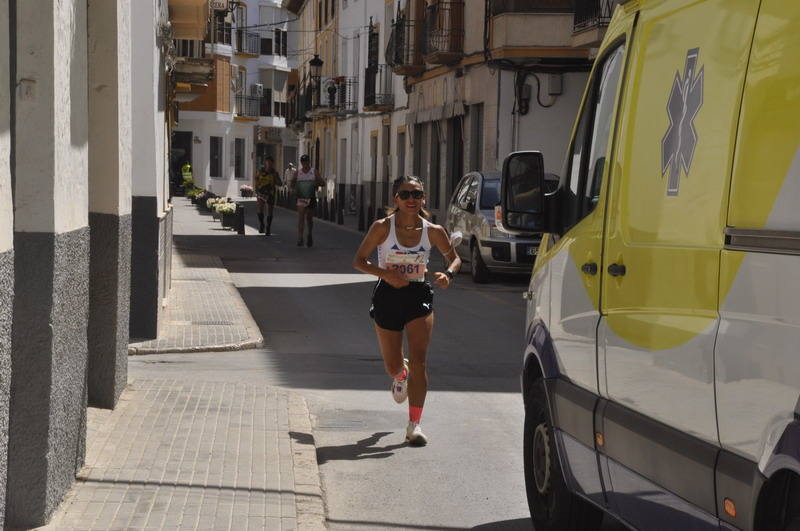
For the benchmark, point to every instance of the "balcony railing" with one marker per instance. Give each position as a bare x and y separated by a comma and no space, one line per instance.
248,42
590,14
404,49
248,106
190,48
378,95
444,32
346,100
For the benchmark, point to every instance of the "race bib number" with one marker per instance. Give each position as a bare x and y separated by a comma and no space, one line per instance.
410,265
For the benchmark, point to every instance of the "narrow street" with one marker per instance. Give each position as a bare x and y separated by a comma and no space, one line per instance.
312,307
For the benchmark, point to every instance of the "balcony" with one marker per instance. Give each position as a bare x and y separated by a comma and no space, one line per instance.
378,94
246,107
404,49
248,43
346,95
444,32
591,20
192,68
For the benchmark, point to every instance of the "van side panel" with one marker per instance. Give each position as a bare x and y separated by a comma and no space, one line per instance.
757,357
668,207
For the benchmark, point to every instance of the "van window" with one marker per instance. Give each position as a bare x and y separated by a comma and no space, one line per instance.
587,157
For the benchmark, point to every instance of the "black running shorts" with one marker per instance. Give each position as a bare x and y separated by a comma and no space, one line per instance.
392,308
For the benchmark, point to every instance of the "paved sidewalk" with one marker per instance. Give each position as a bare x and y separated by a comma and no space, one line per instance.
190,455
205,311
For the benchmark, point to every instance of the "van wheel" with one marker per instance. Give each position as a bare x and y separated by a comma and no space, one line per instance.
480,273
553,507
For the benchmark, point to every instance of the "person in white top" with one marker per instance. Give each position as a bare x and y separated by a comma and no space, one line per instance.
402,298
304,183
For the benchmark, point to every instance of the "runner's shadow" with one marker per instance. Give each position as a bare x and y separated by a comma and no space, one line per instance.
363,449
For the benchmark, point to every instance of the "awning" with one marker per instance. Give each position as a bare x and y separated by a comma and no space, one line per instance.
434,114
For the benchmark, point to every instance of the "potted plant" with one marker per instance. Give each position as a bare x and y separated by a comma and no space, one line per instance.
228,213
246,190
211,204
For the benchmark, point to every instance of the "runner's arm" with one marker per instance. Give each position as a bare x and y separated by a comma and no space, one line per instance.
377,233
439,237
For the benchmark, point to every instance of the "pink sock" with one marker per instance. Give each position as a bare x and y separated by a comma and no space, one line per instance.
414,414
402,375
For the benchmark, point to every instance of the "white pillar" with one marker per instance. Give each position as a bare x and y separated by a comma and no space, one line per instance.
110,145
51,250
6,255
151,215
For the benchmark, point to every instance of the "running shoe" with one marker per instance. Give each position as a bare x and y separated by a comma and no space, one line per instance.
414,435
400,385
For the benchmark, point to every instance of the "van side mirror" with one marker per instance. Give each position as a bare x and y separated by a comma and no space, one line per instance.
522,193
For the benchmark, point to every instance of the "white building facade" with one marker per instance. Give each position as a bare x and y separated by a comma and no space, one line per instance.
227,131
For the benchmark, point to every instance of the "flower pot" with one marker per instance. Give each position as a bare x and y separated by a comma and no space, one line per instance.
228,220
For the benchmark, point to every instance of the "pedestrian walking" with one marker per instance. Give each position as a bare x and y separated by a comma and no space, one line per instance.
267,182
305,182
402,298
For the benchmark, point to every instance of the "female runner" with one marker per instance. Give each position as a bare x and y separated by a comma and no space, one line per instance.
402,298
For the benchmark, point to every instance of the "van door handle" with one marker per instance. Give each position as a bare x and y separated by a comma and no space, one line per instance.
590,268
616,270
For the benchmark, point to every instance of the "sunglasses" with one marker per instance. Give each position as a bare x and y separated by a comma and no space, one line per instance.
405,194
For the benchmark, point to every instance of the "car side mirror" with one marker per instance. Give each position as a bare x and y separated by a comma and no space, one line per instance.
522,204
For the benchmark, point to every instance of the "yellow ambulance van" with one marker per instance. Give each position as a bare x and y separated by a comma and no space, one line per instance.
662,363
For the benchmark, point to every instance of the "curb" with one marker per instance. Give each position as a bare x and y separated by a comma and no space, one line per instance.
229,347
309,499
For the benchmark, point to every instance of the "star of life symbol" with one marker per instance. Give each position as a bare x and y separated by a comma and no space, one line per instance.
678,144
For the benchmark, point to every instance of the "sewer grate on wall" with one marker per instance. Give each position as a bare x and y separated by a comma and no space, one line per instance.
212,323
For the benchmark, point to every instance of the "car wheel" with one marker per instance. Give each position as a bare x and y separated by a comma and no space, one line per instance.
553,507
480,273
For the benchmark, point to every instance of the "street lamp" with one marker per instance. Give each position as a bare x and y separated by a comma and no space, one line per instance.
315,64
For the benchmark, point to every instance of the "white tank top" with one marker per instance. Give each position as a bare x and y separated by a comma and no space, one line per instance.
410,261
305,183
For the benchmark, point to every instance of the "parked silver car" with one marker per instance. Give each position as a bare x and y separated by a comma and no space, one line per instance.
471,212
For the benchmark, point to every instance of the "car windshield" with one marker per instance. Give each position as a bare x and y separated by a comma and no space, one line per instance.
490,194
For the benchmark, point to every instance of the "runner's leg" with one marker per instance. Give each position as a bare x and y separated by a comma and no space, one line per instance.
418,332
301,220
270,209
391,345
310,221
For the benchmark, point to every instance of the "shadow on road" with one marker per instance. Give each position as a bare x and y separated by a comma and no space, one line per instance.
363,449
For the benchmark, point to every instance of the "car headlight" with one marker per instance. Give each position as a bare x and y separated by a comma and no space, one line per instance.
497,234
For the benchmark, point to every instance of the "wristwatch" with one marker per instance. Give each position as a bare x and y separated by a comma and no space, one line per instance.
449,274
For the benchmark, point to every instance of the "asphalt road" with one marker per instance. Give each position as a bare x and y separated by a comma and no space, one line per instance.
312,308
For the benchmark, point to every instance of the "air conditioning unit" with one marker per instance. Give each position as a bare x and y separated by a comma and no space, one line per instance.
257,89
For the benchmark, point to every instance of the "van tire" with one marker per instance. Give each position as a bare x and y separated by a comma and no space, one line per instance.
552,506
478,269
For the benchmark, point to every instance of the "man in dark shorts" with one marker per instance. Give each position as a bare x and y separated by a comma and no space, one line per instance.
267,181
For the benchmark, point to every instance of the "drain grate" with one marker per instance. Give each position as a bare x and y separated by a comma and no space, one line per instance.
212,323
